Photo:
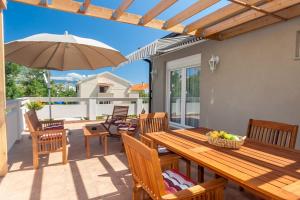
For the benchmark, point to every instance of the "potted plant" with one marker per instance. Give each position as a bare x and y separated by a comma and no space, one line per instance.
35,105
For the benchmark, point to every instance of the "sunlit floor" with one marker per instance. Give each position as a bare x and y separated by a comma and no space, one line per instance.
100,177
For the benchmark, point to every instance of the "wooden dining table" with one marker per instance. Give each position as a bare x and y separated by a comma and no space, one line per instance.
268,171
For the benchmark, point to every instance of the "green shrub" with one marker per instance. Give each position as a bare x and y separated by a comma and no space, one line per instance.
35,105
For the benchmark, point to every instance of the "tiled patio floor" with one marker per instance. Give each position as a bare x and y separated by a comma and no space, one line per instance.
100,177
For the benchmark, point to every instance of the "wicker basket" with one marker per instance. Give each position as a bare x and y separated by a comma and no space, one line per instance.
233,144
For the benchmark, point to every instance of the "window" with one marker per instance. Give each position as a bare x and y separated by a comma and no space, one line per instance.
104,102
298,45
103,89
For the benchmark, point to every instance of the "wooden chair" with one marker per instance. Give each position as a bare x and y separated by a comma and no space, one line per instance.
118,117
274,133
47,137
155,122
148,176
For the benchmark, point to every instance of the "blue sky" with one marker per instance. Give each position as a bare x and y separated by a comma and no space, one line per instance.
22,20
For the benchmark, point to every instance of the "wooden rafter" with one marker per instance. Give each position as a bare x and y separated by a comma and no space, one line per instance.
2,4
189,12
120,10
44,2
84,6
216,16
156,10
247,16
251,6
287,13
102,12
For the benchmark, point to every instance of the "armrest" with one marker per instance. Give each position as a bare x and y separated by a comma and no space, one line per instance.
216,184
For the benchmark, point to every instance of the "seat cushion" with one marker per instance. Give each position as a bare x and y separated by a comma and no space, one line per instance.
162,150
54,127
127,127
175,181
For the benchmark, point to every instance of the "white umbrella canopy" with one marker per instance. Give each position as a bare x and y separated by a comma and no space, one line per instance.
62,52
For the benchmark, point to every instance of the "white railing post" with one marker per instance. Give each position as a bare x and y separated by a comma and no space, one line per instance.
20,119
92,109
139,106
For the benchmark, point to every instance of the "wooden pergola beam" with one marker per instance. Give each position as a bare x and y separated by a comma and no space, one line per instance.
189,12
3,136
287,13
120,10
216,16
84,6
103,13
247,16
251,6
156,10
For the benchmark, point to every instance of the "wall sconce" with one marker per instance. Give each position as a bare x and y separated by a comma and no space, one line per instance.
213,61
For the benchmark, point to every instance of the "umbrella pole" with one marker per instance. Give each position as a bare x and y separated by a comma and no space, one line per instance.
49,95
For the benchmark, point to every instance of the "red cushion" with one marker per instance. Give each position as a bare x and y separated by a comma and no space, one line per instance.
54,127
175,181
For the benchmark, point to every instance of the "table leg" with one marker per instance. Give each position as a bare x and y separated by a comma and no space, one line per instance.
87,148
105,144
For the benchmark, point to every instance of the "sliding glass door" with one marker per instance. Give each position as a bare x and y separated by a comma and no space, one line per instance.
192,100
183,102
175,96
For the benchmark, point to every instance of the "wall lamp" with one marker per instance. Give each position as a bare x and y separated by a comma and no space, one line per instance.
213,62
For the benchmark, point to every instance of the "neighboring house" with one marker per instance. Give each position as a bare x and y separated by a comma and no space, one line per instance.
105,84
257,77
138,88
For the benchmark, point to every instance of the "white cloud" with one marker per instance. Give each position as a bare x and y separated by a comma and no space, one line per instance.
69,77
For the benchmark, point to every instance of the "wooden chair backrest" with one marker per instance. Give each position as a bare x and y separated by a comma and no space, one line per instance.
275,133
145,166
32,121
153,122
120,112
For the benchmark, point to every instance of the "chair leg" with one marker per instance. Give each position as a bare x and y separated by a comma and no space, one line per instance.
35,160
188,168
64,155
136,193
35,154
200,174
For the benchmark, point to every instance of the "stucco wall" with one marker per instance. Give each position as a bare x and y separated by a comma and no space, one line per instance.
257,77
90,88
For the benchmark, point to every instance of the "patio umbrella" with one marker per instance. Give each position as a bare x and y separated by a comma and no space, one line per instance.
61,52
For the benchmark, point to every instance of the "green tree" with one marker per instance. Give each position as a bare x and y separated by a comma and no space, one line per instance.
13,88
34,84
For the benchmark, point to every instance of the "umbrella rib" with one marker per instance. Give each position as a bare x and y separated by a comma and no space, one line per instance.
52,55
51,45
84,56
63,59
102,55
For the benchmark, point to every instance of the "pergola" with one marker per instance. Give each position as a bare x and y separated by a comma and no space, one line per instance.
238,17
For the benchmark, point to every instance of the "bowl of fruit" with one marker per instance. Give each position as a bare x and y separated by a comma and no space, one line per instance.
225,139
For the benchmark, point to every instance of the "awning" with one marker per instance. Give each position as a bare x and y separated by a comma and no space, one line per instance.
160,46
